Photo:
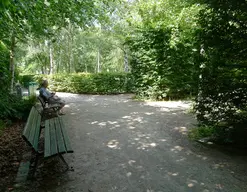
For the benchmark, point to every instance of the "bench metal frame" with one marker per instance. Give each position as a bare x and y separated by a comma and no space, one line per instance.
56,140
47,107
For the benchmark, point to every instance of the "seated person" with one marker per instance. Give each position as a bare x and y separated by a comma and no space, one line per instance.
51,97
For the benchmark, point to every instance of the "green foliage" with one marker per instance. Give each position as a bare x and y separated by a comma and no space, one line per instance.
25,79
4,61
202,132
38,19
42,18
164,57
222,97
74,50
12,107
2,126
88,83
178,48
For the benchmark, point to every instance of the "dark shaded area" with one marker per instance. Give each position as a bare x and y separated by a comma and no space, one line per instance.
222,98
12,147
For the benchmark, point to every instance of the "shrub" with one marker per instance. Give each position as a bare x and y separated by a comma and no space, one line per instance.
222,97
12,107
201,132
25,79
89,83
162,71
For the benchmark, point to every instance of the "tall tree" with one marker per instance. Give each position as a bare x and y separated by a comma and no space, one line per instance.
22,18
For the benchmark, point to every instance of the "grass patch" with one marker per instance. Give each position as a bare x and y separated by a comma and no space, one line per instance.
202,132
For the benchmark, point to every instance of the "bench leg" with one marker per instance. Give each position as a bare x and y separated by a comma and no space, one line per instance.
61,157
35,165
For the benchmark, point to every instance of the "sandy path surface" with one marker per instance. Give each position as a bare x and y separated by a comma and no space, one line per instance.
121,145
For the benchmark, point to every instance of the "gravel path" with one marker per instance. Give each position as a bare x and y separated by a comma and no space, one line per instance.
123,145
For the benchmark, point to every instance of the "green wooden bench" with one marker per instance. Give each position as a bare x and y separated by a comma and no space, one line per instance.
56,140
47,108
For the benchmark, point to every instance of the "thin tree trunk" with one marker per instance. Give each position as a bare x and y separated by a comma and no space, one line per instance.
126,63
86,67
51,61
12,63
59,61
72,66
98,62
69,49
42,70
41,65
68,71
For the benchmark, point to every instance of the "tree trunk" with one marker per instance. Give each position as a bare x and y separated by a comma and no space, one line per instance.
71,57
98,62
86,67
69,48
12,63
59,61
51,61
42,70
41,65
126,63
68,56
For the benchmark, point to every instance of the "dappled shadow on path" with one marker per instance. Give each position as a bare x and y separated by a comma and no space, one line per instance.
126,145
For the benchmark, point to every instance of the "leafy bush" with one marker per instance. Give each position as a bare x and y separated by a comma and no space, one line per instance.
89,83
201,132
222,97
25,79
162,70
12,107
4,68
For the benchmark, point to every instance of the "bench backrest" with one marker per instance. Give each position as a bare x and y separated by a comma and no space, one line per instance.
32,129
42,101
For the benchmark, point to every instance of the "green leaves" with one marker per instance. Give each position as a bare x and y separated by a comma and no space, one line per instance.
40,17
98,83
163,62
223,87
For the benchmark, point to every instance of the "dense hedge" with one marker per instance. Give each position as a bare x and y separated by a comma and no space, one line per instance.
86,83
222,99
162,70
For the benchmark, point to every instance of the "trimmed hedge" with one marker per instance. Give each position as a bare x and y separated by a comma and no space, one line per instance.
85,83
162,71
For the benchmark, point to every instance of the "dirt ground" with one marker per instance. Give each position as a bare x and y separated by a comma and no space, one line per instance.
12,148
121,145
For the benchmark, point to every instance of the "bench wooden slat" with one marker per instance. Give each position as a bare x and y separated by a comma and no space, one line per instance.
31,131
60,138
65,136
56,138
37,133
53,138
27,128
47,139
